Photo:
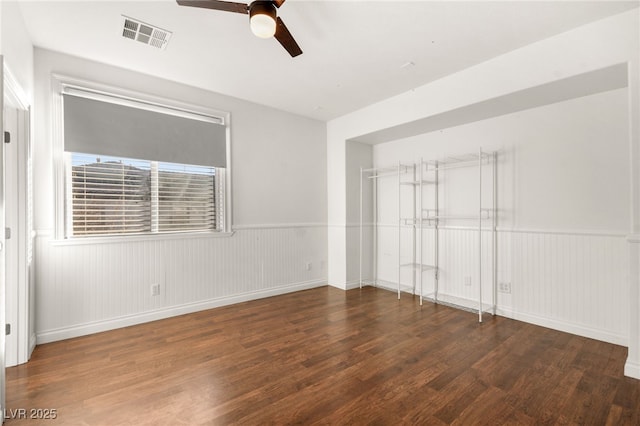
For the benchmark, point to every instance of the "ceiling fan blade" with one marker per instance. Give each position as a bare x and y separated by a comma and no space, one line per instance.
286,39
227,6
278,3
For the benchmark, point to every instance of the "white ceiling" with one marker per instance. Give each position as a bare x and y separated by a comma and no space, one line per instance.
353,50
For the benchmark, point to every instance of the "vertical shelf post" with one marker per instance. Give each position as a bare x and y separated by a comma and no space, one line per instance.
436,233
360,252
421,177
374,271
414,270
480,236
399,230
494,231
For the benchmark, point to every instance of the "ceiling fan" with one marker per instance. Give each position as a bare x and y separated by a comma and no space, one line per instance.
262,14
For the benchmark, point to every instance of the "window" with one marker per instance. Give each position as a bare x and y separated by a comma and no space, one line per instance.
109,195
140,167
186,197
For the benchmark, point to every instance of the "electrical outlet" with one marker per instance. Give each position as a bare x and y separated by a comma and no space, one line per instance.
155,289
467,281
307,266
504,287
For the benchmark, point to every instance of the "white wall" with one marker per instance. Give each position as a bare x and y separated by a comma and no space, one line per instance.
563,213
16,46
358,156
279,214
561,167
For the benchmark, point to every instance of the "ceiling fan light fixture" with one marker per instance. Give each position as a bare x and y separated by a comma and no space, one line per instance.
263,18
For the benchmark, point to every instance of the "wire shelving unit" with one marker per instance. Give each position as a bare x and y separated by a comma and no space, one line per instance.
417,176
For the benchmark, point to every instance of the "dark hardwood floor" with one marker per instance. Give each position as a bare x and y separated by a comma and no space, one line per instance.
325,356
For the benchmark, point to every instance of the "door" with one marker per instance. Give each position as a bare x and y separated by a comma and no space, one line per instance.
17,216
10,119
2,251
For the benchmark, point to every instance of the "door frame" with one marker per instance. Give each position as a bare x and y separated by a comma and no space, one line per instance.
15,97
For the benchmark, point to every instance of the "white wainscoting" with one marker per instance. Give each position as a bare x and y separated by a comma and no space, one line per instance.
569,281
86,287
566,280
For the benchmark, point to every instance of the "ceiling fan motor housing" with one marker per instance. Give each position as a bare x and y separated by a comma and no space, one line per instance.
262,7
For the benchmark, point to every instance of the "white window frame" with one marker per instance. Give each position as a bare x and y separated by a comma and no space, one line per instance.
61,84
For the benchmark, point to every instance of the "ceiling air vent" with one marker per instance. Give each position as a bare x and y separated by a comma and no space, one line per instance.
145,33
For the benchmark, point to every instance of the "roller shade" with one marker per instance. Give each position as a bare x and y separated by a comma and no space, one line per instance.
117,130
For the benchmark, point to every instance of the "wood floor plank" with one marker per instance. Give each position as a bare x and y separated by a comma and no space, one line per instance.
325,356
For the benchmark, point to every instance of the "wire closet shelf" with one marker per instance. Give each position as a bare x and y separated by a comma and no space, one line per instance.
418,175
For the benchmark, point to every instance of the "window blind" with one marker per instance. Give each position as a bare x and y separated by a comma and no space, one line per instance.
124,196
185,198
110,196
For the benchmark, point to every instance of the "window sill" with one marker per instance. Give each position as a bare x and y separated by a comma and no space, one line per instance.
119,239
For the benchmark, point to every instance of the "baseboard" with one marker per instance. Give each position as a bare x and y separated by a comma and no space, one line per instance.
566,327
391,286
353,284
32,344
338,286
632,369
579,330
172,311
349,285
